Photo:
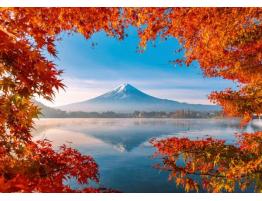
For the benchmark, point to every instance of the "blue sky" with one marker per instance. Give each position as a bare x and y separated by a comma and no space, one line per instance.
91,71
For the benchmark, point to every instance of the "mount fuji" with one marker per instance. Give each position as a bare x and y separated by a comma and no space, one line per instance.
126,99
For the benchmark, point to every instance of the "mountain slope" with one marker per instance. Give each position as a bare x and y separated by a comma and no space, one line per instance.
127,99
48,112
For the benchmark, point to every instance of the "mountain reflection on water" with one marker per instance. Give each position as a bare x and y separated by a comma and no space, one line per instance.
121,147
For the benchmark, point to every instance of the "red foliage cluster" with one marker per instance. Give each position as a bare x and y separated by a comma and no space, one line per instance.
38,168
219,166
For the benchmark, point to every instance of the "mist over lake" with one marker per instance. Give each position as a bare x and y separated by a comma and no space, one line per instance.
121,146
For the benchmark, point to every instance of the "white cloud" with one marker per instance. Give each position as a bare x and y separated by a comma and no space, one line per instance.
195,96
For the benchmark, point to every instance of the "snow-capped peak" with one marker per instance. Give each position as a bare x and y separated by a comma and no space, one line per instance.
124,91
123,87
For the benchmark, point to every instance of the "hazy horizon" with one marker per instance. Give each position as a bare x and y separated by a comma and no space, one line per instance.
51,104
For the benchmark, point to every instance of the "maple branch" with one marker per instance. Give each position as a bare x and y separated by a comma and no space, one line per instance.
212,175
7,32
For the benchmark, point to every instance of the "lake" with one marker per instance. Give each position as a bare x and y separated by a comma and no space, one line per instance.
121,147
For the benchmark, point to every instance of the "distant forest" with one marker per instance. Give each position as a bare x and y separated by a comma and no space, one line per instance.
136,114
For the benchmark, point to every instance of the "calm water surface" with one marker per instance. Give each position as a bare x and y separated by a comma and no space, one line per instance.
121,148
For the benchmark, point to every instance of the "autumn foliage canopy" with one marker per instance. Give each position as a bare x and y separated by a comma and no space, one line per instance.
227,43
212,165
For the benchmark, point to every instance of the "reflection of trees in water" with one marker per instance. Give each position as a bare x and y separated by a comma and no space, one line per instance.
212,165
